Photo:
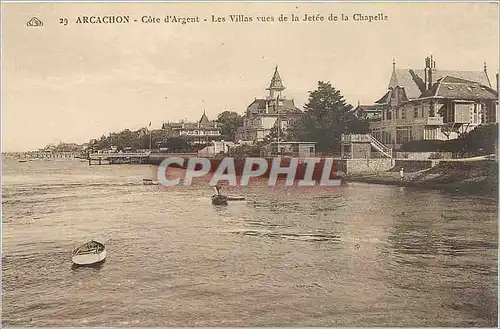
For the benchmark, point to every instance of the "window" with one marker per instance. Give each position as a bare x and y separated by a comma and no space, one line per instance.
403,114
415,113
403,135
397,114
486,114
385,136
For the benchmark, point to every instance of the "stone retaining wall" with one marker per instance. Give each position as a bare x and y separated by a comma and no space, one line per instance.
423,155
355,166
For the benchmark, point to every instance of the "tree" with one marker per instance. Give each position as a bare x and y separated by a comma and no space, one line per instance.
245,151
480,141
357,125
284,136
179,144
159,137
325,119
103,143
229,122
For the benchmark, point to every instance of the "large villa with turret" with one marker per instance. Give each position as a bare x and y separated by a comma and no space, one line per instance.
265,113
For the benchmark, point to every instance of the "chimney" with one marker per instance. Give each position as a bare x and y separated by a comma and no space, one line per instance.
430,72
429,66
426,74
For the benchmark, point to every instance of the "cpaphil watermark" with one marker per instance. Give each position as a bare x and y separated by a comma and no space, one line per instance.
304,171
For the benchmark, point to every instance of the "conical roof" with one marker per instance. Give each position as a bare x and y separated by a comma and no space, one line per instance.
204,119
276,83
394,77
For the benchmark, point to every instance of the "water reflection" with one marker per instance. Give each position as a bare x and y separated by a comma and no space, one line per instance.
96,267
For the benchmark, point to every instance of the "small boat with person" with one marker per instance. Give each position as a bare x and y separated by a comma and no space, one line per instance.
92,252
219,200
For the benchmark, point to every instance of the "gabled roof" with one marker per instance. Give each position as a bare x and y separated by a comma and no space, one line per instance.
384,98
457,88
405,79
276,83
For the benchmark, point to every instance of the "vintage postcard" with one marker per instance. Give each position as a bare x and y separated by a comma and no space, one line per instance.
249,164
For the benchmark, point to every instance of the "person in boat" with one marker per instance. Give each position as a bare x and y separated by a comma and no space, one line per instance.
218,189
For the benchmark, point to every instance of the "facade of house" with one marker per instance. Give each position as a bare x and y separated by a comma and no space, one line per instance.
202,132
433,104
265,113
294,149
216,148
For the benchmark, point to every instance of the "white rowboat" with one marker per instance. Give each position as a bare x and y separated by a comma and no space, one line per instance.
90,253
149,181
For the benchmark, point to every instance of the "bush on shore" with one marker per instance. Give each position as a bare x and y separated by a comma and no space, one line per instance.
480,141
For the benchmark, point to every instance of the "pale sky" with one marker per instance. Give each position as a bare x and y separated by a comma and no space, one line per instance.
76,82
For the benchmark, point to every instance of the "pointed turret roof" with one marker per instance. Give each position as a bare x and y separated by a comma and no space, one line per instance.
204,119
394,78
276,83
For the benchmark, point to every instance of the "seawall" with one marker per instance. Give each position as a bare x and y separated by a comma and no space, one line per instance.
472,177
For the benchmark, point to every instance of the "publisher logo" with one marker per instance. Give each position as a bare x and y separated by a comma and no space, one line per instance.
34,22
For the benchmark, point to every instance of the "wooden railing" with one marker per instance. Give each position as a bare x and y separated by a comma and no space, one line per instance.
356,138
367,138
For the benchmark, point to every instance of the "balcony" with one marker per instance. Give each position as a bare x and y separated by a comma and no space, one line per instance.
356,138
434,121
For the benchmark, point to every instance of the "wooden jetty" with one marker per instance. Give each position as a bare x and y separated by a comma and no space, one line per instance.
118,158
42,155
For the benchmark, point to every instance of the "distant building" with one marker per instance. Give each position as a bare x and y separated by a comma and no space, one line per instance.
433,104
293,149
202,132
366,111
263,113
217,147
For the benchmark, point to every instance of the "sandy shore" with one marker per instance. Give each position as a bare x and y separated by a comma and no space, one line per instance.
478,177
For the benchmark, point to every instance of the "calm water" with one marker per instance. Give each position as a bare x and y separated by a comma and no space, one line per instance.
359,255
